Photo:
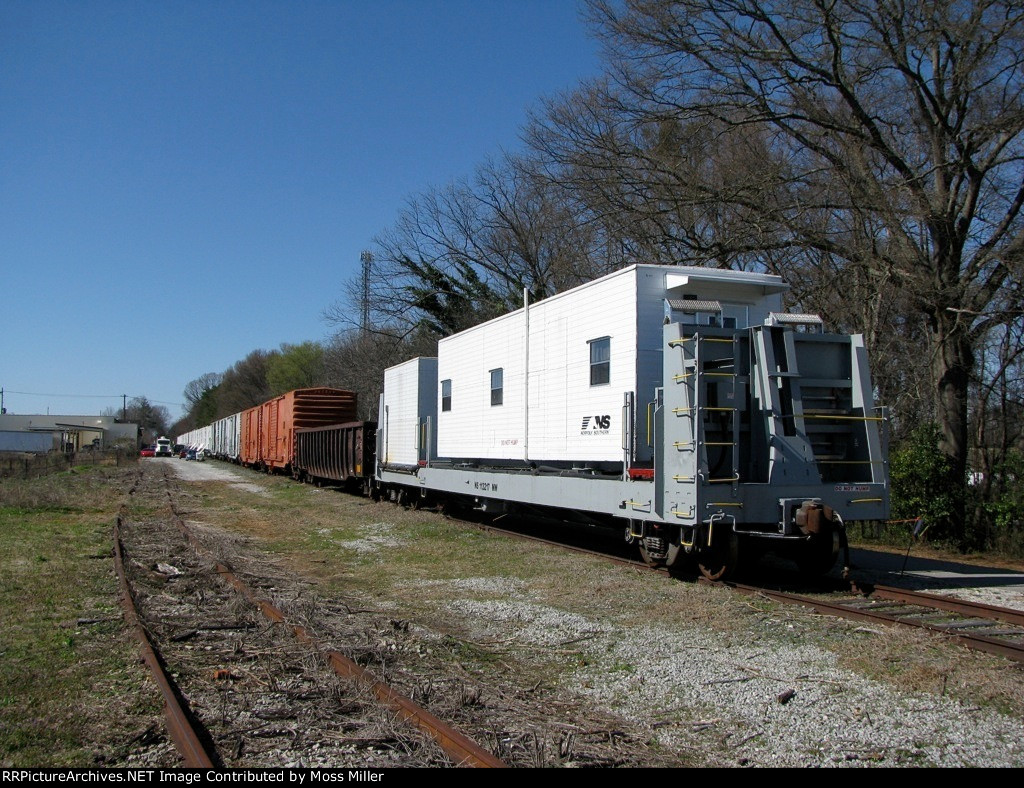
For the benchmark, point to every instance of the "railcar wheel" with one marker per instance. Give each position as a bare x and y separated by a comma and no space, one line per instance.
649,556
669,556
721,560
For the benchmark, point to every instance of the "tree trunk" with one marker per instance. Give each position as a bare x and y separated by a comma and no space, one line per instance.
952,363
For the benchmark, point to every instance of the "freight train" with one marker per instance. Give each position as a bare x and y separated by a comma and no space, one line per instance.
681,405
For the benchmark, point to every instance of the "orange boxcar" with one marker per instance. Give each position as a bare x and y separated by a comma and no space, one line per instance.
250,436
268,430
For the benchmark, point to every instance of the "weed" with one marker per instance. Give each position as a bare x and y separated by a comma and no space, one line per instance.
51,679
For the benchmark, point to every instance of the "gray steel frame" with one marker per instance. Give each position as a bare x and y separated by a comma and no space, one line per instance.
764,381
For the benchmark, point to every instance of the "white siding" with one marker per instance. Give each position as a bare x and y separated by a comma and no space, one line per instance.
570,420
560,394
409,401
561,397
225,438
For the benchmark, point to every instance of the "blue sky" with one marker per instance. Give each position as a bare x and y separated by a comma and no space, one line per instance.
184,182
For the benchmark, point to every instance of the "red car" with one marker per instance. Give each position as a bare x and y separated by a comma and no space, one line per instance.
147,451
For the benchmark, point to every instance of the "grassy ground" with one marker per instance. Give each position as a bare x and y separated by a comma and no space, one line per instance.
70,686
417,563
73,694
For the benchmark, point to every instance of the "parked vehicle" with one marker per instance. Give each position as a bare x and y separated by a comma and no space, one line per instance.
164,447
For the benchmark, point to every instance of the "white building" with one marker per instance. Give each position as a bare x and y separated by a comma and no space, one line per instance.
594,358
69,433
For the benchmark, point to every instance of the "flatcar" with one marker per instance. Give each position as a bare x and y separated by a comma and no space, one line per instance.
681,405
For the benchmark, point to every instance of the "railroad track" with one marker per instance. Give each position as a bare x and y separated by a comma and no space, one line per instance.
188,736
196,745
871,604
994,630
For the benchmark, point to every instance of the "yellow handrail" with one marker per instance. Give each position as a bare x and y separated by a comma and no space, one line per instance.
686,375
826,416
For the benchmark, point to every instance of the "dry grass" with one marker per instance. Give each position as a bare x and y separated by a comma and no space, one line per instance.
917,661
436,550
71,693
381,584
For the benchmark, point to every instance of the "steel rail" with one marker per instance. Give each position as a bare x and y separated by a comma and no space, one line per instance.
463,750
978,642
990,645
951,604
180,725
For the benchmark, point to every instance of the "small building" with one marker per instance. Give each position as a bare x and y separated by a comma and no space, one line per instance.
594,361
44,433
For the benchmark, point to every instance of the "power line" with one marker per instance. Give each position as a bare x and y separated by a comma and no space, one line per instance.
81,396
91,396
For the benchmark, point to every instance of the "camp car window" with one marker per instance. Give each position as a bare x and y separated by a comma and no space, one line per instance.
600,361
446,395
496,386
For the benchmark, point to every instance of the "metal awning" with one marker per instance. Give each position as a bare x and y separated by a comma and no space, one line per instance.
793,319
690,305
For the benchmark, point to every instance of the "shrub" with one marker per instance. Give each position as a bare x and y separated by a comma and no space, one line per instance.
920,474
999,507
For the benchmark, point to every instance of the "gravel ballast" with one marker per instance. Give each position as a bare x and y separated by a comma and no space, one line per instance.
768,704
692,671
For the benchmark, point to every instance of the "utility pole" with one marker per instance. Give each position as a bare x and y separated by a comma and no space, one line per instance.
124,407
3,410
366,258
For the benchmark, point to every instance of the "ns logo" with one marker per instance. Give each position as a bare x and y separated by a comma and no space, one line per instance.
595,425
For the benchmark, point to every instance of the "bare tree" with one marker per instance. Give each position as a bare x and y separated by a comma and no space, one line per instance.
646,184
244,385
466,252
196,389
881,138
999,427
356,361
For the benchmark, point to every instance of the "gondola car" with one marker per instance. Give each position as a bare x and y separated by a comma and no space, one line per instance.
336,454
267,431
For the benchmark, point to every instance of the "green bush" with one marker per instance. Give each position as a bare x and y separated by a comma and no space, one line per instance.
920,474
999,507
